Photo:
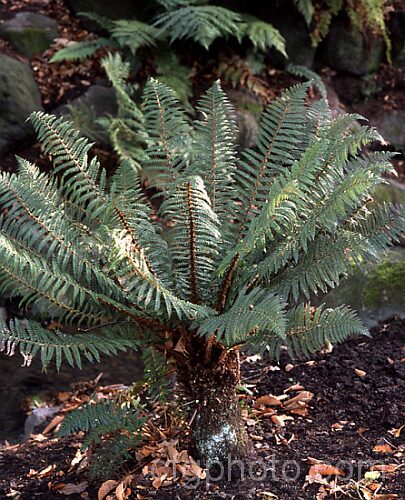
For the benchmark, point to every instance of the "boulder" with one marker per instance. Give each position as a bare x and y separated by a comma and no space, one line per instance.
124,9
375,291
248,110
396,28
29,33
19,96
390,123
292,26
98,100
347,49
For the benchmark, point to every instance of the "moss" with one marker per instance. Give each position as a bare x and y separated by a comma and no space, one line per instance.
255,108
385,284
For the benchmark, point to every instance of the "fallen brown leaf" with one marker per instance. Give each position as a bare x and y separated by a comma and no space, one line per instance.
53,423
360,373
280,419
71,489
268,400
389,468
105,488
383,448
325,470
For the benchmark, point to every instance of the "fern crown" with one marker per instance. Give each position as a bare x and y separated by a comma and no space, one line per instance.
235,249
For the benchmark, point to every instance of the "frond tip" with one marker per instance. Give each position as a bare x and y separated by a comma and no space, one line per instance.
31,339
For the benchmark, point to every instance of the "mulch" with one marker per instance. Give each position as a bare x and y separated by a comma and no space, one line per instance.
353,423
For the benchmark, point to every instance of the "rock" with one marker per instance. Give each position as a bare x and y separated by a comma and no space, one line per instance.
392,192
292,26
376,291
124,9
396,28
390,123
248,110
29,33
346,49
84,111
19,96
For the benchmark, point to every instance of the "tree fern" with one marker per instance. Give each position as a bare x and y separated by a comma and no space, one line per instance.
226,259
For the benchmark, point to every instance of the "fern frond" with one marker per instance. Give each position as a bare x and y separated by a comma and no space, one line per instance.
106,417
215,152
31,339
193,239
251,313
133,34
306,8
309,329
307,74
169,129
77,51
200,23
263,35
83,181
279,143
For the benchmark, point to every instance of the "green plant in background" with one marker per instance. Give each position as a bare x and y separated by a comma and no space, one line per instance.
227,262
177,20
365,15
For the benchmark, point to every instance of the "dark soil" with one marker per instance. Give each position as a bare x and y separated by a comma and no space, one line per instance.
348,416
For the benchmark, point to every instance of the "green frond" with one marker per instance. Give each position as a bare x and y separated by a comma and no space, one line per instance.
156,373
31,339
307,74
215,151
102,418
127,130
82,180
193,240
252,313
279,143
175,75
133,34
263,35
113,456
309,329
306,8
169,130
77,51
200,23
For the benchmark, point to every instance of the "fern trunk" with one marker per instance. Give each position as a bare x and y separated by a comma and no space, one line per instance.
209,377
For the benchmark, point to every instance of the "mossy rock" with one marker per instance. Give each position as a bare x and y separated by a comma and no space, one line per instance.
29,33
19,96
375,291
391,192
347,49
385,285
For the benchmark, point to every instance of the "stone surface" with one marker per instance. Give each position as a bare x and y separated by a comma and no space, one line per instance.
123,9
346,49
376,291
98,100
248,110
29,33
396,28
19,96
390,123
292,26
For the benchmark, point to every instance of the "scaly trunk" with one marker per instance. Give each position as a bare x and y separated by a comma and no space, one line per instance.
208,376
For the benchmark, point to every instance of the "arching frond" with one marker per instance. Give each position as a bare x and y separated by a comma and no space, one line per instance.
169,129
200,23
215,152
31,339
193,240
252,313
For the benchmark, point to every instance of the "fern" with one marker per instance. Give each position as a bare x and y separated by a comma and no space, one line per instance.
227,257
77,51
263,35
201,23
